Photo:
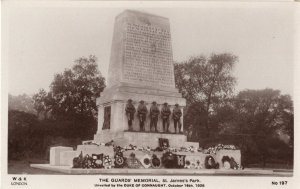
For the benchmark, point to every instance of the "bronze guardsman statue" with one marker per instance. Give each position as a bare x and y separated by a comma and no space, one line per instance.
176,117
165,114
142,112
154,112
130,111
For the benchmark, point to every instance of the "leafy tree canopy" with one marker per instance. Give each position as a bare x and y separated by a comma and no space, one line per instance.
206,83
74,91
261,117
22,103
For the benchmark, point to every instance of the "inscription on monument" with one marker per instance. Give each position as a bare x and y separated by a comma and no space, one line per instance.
148,55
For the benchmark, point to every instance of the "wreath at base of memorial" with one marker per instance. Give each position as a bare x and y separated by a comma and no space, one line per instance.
226,162
229,163
132,162
155,162
210,163
169,160
107,162
234,164
146,161
78,161
120,160
97,161
87,162
187,164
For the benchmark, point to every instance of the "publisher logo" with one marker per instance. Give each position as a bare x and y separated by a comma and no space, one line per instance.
18,181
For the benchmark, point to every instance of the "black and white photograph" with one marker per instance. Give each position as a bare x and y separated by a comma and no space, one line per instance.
140,94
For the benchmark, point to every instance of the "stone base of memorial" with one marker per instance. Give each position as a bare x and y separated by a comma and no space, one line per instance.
194,163
148,139
185,159
112,103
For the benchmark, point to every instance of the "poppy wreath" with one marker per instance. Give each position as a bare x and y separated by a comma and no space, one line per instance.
97,160
87,162
155,162
107,162
229,163
146,161
78,161
132,162
210,163
233,164
169,160
119,160
226,162
187,164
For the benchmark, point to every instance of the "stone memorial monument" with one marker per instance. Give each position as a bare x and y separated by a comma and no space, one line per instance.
140,69
140,95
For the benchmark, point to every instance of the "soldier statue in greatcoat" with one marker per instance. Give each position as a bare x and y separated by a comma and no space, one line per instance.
176,117
142,112
154,112
165,114
130,111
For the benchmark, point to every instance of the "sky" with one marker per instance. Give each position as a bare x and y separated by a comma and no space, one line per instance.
44,40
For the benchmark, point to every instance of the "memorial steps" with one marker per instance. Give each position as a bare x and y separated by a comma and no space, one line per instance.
145,139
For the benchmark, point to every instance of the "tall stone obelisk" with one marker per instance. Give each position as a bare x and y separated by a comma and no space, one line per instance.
141,68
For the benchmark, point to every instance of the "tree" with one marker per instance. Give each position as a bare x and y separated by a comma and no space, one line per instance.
42,102
260,115
22,137
21,102
71,100
205,83
73,92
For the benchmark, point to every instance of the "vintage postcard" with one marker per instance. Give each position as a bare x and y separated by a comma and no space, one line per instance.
140,94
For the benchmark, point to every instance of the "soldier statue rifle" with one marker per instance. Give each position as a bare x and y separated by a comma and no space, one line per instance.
154,112
176,117
165,114
130,111
142,112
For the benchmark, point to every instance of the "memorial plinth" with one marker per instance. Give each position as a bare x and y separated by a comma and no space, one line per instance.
141,68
